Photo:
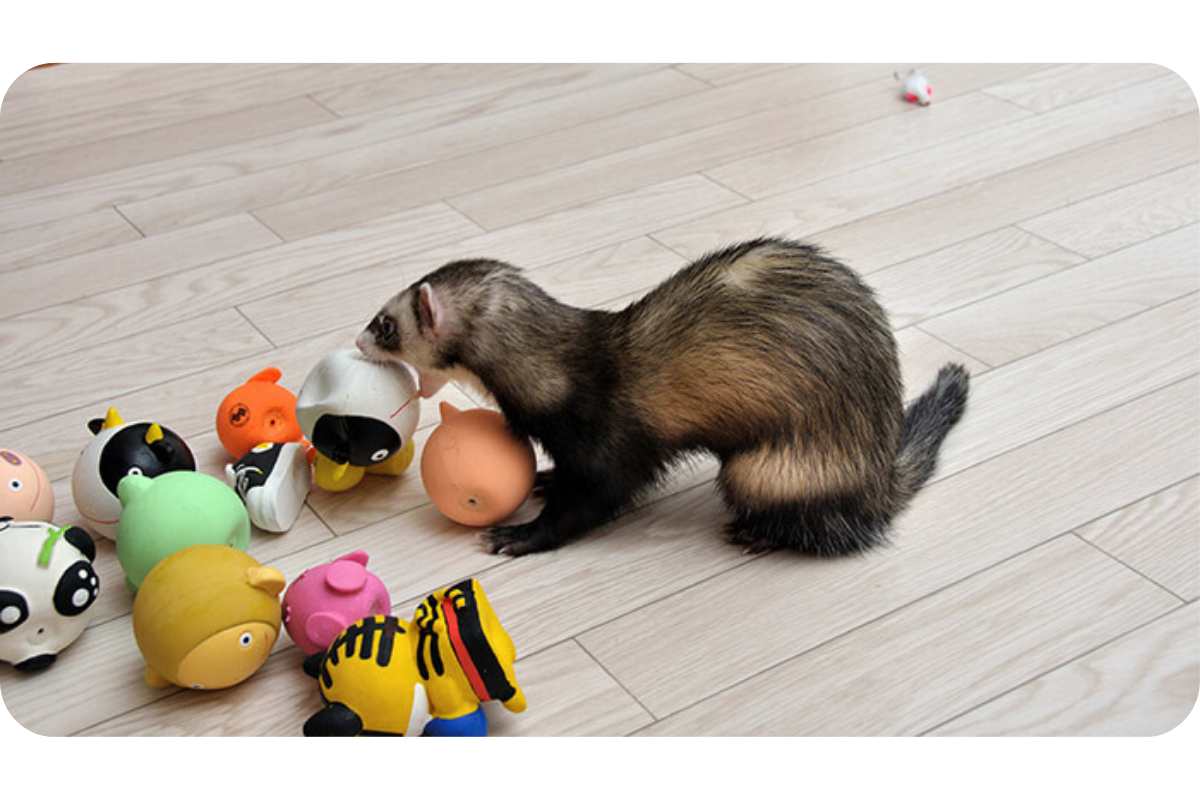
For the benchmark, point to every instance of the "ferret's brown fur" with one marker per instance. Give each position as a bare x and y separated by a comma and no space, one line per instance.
769,354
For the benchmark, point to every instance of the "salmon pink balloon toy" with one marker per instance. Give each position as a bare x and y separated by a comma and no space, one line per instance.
326,600
475,471
25,491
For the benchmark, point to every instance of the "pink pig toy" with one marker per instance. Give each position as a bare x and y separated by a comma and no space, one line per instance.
325,600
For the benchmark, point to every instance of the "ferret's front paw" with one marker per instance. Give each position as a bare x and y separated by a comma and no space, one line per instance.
514,540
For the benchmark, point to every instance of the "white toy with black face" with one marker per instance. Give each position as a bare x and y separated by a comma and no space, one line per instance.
119,449
47,586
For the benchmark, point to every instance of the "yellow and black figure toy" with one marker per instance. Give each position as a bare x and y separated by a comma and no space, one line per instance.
385,676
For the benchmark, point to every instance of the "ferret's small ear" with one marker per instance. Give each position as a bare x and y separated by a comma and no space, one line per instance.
435,317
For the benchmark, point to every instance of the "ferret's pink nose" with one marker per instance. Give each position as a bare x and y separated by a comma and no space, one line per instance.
363,342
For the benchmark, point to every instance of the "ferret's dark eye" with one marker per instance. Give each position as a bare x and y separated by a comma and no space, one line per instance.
387,330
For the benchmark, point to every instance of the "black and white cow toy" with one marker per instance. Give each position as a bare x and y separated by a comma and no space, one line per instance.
47,586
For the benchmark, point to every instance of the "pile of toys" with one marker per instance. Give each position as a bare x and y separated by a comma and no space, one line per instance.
206,614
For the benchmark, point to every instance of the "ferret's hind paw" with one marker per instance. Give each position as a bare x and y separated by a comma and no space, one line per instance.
752,543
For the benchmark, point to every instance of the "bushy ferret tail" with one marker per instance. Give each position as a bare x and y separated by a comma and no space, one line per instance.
927,420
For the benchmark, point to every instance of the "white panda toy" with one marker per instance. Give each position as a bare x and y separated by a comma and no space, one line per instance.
47,587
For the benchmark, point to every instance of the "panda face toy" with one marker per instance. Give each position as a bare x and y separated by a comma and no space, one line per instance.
120,449
47,587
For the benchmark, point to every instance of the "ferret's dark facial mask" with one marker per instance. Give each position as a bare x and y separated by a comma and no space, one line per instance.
383,338
385,331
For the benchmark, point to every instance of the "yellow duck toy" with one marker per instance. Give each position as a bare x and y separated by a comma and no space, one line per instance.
385,676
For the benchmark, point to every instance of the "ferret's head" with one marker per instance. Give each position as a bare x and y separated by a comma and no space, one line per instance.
430,324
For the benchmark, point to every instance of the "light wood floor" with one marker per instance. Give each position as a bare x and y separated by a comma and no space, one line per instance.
168,231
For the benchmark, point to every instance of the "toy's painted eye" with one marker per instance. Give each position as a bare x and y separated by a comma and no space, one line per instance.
379,455
134,471
245,640
77,589
14,610
15,484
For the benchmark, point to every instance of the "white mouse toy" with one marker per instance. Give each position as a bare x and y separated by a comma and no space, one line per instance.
915,88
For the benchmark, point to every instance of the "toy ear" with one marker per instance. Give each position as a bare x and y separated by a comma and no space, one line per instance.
82,542
268,375
435,317
447,411
335,719
358,557
266,579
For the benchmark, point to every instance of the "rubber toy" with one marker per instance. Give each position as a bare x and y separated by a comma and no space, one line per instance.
915,88
360,415
258,411
207,617
119,449
326,600
273,479
383,675
475,471
25,491
173,511
47,586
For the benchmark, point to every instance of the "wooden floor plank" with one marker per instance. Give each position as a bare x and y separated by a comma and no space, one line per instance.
62,238
1071,83
1143,684
1037,315
341,155
1157,537
1029,614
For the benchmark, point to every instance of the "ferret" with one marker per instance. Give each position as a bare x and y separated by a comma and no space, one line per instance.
769,354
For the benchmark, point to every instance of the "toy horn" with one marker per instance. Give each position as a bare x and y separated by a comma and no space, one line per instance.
111,420
153,433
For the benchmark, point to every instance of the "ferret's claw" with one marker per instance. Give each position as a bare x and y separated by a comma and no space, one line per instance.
517,540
